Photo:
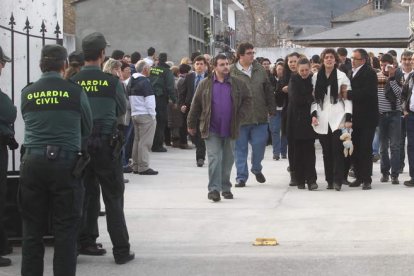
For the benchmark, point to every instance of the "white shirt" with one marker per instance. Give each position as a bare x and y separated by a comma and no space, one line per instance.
412,101
247,72
332,115
149,61
355,71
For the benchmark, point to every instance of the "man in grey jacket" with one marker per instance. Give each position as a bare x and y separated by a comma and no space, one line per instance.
254,127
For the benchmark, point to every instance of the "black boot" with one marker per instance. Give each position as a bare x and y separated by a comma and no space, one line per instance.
5,262
293,181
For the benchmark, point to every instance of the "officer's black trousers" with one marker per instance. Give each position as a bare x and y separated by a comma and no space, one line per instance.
108,172
49,185
3,192
161,103
89,232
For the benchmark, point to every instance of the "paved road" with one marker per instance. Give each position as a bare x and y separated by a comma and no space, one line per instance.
175,230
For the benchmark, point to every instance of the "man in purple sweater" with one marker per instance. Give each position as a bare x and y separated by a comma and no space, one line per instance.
220,102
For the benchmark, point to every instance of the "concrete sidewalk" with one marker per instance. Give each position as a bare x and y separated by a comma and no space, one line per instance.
175,230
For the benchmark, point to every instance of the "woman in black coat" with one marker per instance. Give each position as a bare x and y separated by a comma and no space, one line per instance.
299,125
289,70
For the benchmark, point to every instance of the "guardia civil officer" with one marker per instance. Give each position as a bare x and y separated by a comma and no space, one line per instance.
7,118
107,99
57,116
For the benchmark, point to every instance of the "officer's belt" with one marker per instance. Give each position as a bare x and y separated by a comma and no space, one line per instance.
63,154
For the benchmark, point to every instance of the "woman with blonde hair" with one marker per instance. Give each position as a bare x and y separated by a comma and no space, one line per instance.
186,60
113,67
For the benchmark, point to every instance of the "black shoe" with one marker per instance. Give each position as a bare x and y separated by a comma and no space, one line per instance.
394,180
376,157
330,186
127,169
92,250
385,178
337,186
200,162
260,177
214,196
102,213
409,183
148,172
240,184
125,259
355,183
366,186
227,195
5,261
301,186
346,182
284,157
293,181
276,157
159,150
312,186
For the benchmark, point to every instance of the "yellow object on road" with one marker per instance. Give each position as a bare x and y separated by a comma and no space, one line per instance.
265,242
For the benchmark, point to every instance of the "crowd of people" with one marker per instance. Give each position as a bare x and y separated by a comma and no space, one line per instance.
90,119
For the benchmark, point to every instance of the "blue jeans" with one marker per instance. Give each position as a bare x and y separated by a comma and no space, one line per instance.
376,142
390,134
279,143
256,136
220,162
410,142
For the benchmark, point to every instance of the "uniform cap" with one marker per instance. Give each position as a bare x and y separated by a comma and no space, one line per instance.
162,57
94,41
3,57
55,52
77,56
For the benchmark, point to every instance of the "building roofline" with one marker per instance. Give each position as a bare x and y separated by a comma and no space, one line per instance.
236,5
77,1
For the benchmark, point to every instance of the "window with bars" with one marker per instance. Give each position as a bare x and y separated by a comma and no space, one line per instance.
379,4
196,30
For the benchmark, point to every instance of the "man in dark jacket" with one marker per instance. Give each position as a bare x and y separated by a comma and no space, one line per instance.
162,81
364,98
7,118
186,93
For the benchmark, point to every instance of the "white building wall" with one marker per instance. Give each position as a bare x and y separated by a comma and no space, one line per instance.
49,10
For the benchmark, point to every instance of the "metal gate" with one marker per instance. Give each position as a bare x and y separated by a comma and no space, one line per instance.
21,73
29,32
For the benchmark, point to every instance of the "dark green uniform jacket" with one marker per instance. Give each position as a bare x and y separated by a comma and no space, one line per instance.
162,81
56,112
7,115
106,96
